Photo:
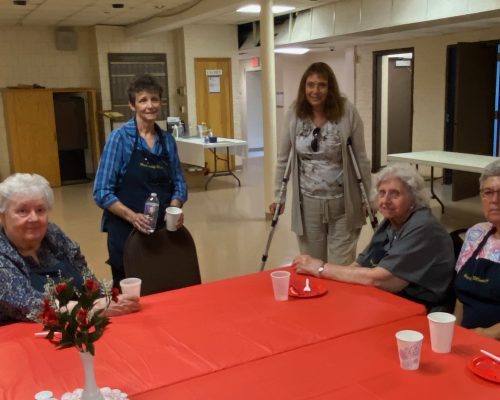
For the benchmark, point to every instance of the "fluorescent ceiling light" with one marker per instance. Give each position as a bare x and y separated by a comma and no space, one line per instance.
292,50
282,9
255,9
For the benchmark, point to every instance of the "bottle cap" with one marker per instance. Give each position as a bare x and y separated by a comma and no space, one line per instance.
153,194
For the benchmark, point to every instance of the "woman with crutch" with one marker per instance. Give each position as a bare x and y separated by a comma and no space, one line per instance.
327,206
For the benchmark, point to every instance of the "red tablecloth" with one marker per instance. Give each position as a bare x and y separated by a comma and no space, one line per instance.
187,333
362,365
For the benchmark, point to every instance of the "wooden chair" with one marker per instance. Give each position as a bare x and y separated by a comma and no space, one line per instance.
164,260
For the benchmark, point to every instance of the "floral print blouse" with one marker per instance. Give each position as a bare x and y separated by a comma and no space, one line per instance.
19,300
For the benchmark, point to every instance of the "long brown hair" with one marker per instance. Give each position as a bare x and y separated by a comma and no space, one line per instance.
334,103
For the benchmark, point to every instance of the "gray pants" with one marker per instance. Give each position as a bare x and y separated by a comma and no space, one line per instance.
326,235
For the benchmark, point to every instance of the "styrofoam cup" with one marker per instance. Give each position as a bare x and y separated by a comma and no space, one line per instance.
131,286
172,215
409,348
441,327
281,282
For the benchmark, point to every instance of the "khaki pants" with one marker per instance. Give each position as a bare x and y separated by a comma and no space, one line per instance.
326,235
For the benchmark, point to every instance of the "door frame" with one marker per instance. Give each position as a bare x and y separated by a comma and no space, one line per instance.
376,103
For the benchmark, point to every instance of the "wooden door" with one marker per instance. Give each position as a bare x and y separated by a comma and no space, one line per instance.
474,110
214,100
31,133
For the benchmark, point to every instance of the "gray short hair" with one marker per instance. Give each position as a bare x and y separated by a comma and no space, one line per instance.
492,169
28,185
410,178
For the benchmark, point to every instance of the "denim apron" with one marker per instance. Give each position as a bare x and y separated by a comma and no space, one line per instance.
477,286
61,269
146,173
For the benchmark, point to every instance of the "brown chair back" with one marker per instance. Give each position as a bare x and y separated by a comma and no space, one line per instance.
164,260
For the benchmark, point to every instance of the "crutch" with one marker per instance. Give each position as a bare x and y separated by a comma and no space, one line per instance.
364,197
277,210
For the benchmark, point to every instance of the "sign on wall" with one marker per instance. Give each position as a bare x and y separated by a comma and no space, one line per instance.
123,67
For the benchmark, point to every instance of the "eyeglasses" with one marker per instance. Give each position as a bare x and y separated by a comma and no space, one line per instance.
388,195
316,138
488,194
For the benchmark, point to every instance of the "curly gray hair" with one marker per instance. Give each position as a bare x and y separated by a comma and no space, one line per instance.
492,169
411,180
27,185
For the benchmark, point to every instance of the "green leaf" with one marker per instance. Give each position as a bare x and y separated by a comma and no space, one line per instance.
91,348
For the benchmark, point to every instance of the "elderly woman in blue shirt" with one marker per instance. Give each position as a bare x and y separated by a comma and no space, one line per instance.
138,159
32,250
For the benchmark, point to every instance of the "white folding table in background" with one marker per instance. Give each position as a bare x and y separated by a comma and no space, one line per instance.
191,151
444,159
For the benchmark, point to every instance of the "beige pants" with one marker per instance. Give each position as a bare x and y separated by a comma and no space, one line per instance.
326,235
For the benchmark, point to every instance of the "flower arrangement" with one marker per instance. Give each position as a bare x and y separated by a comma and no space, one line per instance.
71,313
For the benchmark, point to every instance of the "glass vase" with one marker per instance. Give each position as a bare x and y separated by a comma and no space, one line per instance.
90,390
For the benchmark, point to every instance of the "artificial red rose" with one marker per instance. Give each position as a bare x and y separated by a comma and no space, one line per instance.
49,315
82,316
91,285
114,294
61,287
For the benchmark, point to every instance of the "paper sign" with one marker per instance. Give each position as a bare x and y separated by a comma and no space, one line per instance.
213,72
214,84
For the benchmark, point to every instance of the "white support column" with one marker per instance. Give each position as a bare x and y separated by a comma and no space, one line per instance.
268,98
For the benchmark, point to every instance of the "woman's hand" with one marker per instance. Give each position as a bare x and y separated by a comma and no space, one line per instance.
492,331
308,265
126,304
141,222
180,221
272,208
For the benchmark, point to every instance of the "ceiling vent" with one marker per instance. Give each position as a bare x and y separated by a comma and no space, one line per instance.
66,39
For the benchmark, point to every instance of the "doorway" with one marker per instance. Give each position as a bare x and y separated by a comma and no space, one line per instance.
392,104
254,128
471,108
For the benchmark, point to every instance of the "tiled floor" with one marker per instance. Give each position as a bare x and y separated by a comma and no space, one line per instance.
227,222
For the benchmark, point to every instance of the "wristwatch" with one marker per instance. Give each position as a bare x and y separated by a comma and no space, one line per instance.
321,268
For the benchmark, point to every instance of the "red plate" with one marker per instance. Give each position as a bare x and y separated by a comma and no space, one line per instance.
486,368
297,285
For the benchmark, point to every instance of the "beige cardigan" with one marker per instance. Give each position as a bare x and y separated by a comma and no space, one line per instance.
350,125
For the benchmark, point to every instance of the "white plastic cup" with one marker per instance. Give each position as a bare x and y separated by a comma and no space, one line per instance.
172,215
281,282
409,349
441,327
131,286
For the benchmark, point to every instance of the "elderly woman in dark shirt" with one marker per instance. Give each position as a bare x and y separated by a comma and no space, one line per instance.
32,249
410,254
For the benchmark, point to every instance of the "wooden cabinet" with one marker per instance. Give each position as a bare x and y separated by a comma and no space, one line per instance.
31,130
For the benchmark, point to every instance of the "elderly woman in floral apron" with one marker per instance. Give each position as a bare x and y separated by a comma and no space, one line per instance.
477,284
138,159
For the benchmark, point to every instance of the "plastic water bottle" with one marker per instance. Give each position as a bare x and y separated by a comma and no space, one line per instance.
151,210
